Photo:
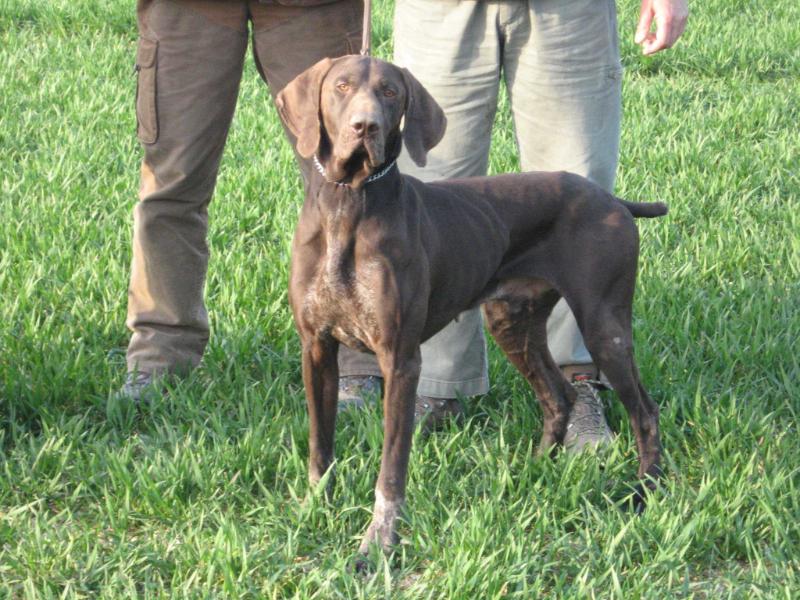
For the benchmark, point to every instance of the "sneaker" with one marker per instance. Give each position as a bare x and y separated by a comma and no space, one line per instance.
432,413
587,425
356,390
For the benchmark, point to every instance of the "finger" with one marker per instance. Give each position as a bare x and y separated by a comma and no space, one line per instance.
662,38
668,29
645,21
649,44
670,22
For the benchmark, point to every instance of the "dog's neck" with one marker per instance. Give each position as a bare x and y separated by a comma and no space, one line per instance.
342,206
336,211
375,176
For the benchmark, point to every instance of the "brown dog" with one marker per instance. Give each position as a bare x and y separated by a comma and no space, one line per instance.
382,261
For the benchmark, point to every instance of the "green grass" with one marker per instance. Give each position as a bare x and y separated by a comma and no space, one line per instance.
204,493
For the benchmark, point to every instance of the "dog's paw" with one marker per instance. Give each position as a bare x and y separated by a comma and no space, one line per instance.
378,550
382,531
322,481
361,565
636,502
380,534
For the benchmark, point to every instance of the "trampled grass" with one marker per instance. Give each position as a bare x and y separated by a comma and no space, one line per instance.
204,494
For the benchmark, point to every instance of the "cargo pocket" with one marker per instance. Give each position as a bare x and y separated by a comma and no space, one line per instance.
146,106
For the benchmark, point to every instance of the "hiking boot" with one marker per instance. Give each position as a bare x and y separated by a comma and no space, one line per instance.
138,386
586,371
356,390
587,425
432,413
124,404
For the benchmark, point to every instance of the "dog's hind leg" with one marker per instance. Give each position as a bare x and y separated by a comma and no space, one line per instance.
608,337
516,316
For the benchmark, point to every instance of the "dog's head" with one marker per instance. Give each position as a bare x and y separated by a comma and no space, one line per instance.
348,111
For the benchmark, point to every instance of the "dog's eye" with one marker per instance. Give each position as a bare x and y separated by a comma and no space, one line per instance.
343,87
389,93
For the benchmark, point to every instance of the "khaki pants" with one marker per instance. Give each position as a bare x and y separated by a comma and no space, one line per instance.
189,63
560,62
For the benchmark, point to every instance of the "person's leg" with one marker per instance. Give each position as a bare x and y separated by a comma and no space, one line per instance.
454,51
286,41
564,78
189,64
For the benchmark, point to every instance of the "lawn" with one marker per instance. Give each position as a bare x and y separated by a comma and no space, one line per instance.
203,492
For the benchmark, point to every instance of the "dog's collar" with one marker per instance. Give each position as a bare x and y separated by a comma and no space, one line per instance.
370,179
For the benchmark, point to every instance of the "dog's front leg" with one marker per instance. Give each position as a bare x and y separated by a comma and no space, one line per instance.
320,378
400,383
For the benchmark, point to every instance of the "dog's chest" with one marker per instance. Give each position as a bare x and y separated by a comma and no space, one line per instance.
342,299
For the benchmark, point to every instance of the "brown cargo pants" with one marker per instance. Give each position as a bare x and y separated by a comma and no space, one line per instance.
189,63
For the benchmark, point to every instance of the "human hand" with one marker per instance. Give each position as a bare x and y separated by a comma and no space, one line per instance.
670,17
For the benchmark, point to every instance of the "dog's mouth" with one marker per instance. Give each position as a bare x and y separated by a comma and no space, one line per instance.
356,160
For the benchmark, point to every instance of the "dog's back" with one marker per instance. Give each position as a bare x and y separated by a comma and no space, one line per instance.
521,224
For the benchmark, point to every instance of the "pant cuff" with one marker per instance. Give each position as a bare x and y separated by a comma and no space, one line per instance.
360,371
452,389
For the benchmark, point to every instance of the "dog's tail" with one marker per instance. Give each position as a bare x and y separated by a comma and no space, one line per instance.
645,209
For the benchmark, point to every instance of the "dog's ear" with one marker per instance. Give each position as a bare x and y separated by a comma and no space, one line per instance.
298,105
424,120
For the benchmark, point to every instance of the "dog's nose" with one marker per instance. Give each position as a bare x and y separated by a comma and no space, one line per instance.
364,124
